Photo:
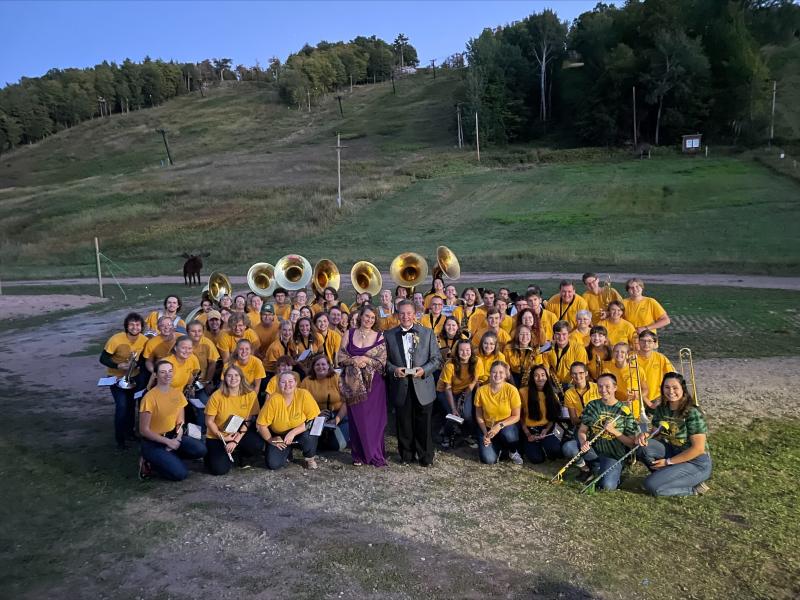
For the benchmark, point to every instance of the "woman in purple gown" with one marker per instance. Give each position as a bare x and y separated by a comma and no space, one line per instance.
362,357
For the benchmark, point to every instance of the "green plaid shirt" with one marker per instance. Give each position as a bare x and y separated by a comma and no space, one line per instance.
680,429
596,414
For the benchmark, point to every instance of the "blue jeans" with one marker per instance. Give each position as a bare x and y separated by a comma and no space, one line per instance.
675,480
335,439
124,413
597,463
544,449
168,463
277,458
199,413
468,427
506,439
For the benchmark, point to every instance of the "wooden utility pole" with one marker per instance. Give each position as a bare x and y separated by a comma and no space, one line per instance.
458,120
339,149
772,118
351,84
163,133
99,272
394,90
635,140
477,137
308,97
339,98
433,67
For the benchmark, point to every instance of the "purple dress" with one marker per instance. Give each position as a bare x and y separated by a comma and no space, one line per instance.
368,418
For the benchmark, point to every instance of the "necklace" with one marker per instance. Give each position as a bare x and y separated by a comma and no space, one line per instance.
363,334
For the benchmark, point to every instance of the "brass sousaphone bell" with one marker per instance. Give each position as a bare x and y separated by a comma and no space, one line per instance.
366,277
218,286
293,272
408,269
261,279
446,264
326,274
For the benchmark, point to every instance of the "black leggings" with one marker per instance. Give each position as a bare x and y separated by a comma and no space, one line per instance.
216,459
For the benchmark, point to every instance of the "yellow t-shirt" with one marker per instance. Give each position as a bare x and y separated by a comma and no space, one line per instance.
644,312
497,406
429,298
525,417
595,303
283,312
461,312
456,381
566,311
157,347
281,418
215,339
507,324
325,392
266,335
582,339
222,407
274,352
151,322
624,383
654,369
624,331
207,354
332,342
165,408
546,322
386,319
477,320
227,342
120,347
578,400
182,370
253,318
272,385
503,338
432,322
253,369
484,365
517,357
560,361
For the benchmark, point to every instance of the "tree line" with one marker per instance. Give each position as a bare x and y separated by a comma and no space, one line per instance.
36,107
663,67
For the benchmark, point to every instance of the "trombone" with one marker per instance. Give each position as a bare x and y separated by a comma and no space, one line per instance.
636,389
685,357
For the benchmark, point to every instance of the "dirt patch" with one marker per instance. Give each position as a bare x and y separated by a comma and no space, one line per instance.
31,306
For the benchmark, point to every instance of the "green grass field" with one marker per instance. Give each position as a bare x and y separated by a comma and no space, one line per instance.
255,180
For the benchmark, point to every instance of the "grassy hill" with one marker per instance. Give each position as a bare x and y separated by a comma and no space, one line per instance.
255,180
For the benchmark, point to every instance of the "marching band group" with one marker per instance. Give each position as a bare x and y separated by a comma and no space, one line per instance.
574,376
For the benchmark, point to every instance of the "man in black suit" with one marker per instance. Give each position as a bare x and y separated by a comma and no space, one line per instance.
412,357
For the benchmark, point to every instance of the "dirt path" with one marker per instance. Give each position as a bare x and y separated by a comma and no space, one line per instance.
711,279
28,305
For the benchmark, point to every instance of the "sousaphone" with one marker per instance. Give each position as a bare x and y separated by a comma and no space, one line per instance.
293,272
366,277
326,274
446,264
261,279
408,269
218,286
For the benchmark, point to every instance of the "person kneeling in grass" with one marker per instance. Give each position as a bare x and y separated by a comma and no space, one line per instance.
282,424
161,422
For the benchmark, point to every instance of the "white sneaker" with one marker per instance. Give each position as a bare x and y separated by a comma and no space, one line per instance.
515,458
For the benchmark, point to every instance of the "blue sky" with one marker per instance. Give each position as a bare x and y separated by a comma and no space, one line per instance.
37,36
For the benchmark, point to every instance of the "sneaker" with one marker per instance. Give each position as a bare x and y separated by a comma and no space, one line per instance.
701,488
472,443
445,443
311,463
145,469
515,458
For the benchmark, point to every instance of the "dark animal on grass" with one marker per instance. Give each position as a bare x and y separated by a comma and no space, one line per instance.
192,267
642,148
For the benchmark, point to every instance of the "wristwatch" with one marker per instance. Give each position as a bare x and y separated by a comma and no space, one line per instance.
501,424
